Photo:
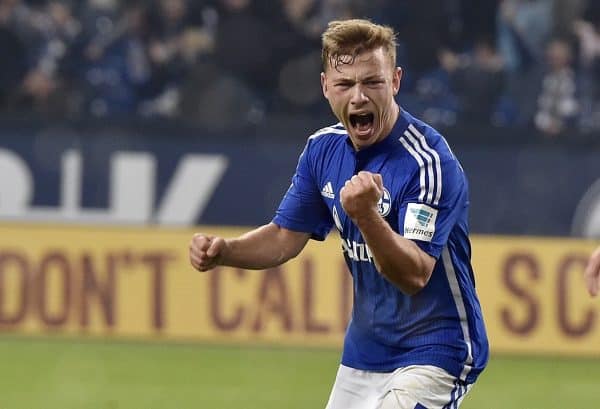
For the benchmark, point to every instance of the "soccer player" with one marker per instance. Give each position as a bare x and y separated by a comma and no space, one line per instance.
398,196
592,273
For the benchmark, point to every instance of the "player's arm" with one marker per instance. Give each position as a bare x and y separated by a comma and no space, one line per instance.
398,259
592,273
264,247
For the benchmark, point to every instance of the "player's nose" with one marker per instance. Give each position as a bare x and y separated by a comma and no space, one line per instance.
358,95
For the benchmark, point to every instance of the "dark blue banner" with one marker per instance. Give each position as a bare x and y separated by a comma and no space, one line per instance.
122,176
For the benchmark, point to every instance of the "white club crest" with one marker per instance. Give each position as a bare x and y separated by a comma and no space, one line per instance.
384,205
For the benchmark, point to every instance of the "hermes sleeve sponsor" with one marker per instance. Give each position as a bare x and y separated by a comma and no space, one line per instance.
419,222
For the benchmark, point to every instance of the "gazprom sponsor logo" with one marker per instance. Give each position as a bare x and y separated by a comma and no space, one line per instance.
419,222
357,251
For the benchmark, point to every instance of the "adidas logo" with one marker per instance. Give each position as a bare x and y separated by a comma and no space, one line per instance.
328,191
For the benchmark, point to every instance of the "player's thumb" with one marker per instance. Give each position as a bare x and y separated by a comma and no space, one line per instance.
216,245
592,285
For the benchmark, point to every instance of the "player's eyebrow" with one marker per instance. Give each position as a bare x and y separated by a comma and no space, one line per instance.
344,80
349,80
373,77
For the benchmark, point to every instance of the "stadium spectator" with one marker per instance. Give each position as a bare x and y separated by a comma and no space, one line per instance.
477,80
432,94
13,54
476,20
557,104
424,29
181,36
587,32
45,89
298,50
146,58
110,61
566,13
245,44
230,89
416,338
524,27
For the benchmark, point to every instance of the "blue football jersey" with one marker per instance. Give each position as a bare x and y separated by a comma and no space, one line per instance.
425,199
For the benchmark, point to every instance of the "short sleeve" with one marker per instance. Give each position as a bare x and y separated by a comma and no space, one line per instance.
302,207
433,204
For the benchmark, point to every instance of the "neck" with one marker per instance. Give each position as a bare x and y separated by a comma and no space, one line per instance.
390,122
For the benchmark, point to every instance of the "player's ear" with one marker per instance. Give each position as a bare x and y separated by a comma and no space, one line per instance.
396,79
324,84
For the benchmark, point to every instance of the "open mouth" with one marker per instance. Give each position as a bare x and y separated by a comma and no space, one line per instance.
362,122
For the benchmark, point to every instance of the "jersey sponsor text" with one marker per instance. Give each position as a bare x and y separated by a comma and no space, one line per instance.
357,251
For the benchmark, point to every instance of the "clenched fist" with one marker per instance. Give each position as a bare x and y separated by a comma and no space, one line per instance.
592,273
206,252
360,195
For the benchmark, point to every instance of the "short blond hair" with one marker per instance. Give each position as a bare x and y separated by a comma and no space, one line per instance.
345,39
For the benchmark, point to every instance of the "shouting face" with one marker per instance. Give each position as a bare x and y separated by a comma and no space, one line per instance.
360,90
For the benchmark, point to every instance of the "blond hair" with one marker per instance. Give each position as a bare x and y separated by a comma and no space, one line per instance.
345,39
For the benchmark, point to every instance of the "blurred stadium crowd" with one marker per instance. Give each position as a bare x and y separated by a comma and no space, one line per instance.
217,63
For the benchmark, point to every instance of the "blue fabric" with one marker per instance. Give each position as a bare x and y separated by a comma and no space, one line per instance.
424,182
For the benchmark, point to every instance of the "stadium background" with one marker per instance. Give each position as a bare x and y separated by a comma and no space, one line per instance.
127,126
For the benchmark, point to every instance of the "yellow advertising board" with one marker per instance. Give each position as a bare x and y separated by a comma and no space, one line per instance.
533,295
137,283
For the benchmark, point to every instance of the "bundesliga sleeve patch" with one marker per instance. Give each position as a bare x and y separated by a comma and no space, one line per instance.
419,222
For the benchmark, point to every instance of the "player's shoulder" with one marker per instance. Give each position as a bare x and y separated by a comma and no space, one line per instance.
326,141
328,134
434,167
423,140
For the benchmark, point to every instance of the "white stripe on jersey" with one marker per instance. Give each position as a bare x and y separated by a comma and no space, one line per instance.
330,129
421,167
438,166
463,394
429,161
456,395
460,307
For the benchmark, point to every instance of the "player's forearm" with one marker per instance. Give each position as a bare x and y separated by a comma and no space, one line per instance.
265,247
396,258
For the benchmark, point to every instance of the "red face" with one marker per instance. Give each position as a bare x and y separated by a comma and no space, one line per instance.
361,95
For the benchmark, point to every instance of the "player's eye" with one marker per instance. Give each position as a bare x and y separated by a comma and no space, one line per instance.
343,85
